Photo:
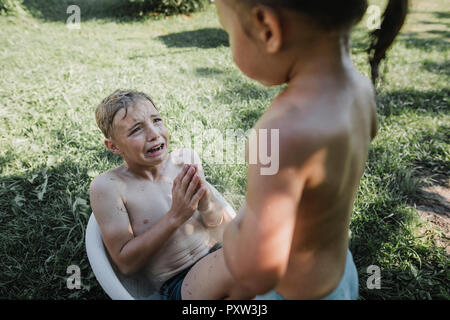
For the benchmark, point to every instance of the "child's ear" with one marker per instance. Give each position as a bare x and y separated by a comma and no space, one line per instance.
111,146
268,27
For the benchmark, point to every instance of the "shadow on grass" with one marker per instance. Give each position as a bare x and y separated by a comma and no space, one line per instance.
443,33
161,55
442,15
206,38
208,72
437,67
382,236
56,10
42,227
117,10
435,23
442,18
4,160
397,102
413,40
432,161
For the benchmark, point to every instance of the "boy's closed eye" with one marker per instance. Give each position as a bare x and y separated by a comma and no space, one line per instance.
137,128
133,131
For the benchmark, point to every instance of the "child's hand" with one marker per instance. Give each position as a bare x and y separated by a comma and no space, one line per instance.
205,201
186,194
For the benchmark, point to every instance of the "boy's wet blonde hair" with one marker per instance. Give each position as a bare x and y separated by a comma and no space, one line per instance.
108,108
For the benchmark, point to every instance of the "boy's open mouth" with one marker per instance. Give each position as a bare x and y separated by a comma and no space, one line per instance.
156,150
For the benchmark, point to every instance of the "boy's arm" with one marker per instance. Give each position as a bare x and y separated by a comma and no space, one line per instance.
128,252
131,253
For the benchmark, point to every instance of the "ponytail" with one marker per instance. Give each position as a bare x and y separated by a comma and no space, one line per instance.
381,39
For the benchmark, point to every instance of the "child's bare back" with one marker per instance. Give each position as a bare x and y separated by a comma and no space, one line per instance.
324,141
295,222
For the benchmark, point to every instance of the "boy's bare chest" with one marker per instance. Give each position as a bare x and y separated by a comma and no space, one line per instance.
147,203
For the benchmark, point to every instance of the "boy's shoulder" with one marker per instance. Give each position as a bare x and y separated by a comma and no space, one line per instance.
107,181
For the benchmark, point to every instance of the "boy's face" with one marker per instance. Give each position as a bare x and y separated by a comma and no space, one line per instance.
141,137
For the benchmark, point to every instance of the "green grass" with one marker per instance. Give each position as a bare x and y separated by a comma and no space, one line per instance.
52,78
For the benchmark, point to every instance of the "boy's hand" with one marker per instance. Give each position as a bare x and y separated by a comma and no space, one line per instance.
205,202
186,194
210,208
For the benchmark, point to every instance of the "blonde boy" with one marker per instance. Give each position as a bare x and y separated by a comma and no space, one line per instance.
156,213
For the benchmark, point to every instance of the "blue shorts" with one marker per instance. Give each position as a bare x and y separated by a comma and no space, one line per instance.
171,288
347,289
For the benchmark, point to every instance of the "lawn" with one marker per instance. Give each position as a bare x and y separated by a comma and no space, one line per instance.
52,78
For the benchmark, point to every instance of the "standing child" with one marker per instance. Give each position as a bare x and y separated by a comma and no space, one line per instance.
292,234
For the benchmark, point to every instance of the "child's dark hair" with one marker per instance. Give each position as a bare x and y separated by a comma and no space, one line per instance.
335,14
393,20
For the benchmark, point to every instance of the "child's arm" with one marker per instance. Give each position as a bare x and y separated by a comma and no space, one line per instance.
257,247
375,125
258,242
128,252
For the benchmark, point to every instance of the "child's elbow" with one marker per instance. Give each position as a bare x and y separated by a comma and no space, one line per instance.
125,268
127,271
124,263
261,282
